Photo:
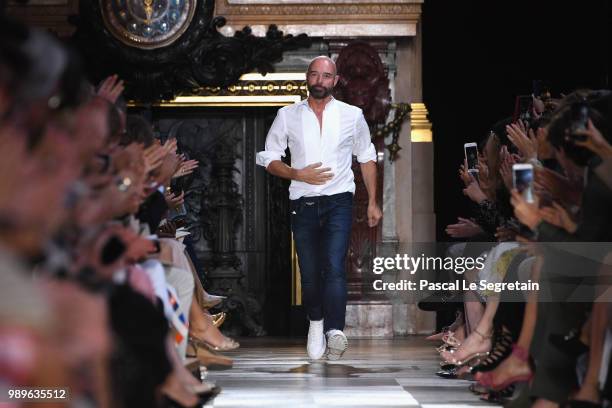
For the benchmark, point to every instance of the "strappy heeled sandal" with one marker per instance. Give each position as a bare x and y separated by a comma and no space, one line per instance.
226,345
459,322
205,356
469,360
486,378
502,347
498,397
218,319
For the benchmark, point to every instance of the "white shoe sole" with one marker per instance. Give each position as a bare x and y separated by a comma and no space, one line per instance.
336,346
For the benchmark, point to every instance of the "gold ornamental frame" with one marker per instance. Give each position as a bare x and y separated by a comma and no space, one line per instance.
274,89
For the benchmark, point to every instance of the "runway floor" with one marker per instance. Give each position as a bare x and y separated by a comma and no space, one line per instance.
274,372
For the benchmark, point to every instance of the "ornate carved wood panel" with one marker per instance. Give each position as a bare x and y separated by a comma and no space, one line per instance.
363,83
238,215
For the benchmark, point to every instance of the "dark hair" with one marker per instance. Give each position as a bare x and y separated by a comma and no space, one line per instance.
559,128
542,121
13,61
72,85
137,130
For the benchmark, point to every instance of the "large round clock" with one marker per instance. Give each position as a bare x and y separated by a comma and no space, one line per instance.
147,24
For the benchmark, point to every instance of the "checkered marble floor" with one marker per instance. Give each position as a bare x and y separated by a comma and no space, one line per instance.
274,372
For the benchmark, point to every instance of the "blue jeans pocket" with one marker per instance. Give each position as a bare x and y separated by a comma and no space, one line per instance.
296,207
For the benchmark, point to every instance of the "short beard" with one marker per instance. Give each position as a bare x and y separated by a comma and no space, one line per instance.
317,93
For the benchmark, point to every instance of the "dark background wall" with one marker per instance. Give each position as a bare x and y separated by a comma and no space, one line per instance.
478,55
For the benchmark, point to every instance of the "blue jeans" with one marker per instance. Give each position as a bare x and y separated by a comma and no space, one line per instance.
321,230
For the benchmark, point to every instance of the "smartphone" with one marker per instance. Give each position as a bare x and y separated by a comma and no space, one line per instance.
522,179
580,120
471,156
522,108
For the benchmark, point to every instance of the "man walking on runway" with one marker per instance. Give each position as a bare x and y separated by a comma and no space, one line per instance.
322,134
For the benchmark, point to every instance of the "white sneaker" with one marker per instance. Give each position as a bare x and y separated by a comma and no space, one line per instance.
316,340
336,344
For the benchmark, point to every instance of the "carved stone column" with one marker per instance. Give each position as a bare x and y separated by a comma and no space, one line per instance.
221,215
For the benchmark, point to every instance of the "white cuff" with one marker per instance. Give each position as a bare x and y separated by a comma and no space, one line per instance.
264,158
367,155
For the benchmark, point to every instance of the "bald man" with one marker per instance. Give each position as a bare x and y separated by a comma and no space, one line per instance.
323,134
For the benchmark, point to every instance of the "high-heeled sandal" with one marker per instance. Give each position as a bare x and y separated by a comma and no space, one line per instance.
226,345
486,378
455,341
478,389
191,364
204,392
205,356
502,347
450,343
446,347
448,329
209,301
218,319
451,340
498,397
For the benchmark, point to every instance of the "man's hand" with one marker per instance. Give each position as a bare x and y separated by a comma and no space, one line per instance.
374,214
313,174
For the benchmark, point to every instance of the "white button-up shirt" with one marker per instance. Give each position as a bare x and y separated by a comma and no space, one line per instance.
344,133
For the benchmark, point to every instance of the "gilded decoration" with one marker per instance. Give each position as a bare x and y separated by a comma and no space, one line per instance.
388,18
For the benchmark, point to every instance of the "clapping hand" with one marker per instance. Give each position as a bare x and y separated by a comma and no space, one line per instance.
505,168
174,200
527,213
560,188
473,190
153,157
524,139
185,168
464,228
111,88
559,217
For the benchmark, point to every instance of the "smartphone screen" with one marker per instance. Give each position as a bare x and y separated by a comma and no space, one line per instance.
471,156
522,177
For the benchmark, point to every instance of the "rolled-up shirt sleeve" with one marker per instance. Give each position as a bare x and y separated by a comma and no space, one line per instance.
276,142
362,144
